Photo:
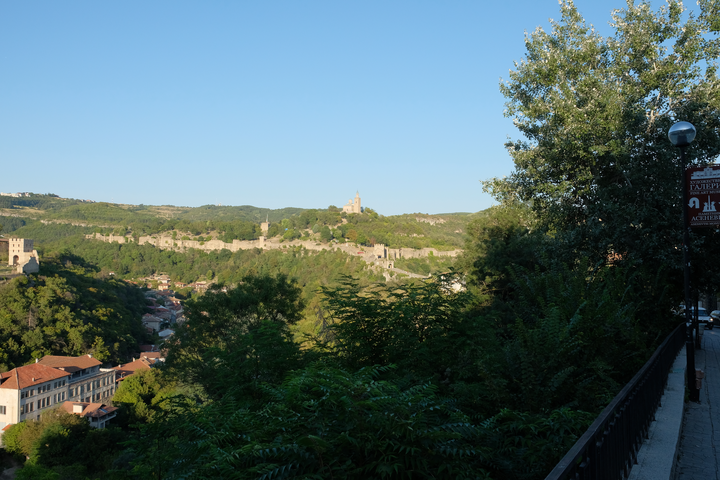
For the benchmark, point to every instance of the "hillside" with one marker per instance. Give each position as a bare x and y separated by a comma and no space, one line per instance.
70,308
24,215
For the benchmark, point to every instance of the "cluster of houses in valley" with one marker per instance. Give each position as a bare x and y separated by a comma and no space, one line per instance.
162,283
78,385
167,310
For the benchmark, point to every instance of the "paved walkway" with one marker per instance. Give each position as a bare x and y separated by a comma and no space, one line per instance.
700,439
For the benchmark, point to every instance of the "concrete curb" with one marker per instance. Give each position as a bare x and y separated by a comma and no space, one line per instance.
657,457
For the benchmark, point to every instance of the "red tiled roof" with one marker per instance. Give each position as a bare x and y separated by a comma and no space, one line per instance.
81,362
34,374
91,410
151,355
139,364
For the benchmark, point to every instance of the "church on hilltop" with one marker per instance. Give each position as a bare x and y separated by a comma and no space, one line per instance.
353,206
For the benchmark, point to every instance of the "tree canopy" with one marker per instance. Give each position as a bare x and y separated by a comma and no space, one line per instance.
595,163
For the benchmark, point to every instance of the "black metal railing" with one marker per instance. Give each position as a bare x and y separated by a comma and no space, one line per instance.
608,449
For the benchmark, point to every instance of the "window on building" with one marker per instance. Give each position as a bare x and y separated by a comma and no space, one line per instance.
3,409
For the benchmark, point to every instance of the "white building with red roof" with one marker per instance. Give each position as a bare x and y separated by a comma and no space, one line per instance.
87,383
26,391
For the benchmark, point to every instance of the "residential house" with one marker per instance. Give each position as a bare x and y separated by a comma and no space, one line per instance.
164,313
98,414
153,357
152,322
165,334
124,371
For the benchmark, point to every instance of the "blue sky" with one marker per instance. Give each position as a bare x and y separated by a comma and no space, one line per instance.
272,104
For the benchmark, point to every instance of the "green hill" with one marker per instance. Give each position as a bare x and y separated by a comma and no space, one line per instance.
32,216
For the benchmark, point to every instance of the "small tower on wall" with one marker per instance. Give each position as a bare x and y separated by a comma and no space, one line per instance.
265,226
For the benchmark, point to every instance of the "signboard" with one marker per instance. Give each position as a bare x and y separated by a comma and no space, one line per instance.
703,185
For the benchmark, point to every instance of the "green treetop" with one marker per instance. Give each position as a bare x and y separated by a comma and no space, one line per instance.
595,163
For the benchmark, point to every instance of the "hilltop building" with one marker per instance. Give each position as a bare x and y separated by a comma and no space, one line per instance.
265,226
353,206
22,256
16,195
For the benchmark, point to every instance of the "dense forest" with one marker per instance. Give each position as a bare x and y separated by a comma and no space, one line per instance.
70,309
395,381
297,370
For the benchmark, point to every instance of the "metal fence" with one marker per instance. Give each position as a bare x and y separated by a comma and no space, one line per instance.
608,449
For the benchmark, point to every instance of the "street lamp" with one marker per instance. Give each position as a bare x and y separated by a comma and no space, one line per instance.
681,135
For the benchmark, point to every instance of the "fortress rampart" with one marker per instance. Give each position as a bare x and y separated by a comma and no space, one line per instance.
369,254
169,243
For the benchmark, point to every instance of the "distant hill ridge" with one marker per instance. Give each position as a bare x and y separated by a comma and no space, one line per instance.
228,223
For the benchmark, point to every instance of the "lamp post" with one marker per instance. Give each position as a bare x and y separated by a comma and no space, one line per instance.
681,135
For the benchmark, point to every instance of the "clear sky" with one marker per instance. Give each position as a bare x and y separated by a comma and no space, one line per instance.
266,103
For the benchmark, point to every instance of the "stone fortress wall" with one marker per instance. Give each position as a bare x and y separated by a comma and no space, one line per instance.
166,242
378,255
369,254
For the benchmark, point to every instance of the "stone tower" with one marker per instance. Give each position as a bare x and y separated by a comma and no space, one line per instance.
22,255
265,226
356,203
